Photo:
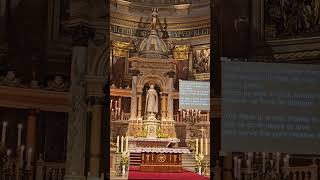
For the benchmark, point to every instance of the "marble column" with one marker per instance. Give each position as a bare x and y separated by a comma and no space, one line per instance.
77,117
133,107
31,133
170,100
163,107
95,138
139,105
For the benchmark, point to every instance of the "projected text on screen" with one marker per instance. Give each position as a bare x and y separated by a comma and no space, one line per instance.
270,107
194,95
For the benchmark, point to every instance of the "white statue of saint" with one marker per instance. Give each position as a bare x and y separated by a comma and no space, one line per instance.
151,101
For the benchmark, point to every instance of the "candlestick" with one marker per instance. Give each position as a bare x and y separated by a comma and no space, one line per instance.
4,130
19,134
239,169
21,156
248,166
197,146
118,143
121,143
278,162
127,144
29,158
201,146
206,143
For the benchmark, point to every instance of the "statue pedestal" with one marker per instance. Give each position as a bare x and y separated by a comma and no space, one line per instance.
152,124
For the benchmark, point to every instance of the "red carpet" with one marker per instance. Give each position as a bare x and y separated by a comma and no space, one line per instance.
134,173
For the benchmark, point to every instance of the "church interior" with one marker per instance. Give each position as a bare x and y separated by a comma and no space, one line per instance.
89,89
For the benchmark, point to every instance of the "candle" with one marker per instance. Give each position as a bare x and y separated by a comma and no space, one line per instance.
116,105
248,166
29,158
21,156
263,162
111,104
19,134
235,167
3,136
117,144
127,144
121,143
197,146
201,146
206,143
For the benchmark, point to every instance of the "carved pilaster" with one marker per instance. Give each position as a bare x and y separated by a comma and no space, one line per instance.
139,105
170,100
76,140
133,107
95,136
163,106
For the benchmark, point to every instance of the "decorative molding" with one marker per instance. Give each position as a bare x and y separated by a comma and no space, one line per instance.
13,97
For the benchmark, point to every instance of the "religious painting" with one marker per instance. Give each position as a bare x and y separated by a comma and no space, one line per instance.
201,61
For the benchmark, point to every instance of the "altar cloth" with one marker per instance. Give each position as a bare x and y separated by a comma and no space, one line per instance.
160,150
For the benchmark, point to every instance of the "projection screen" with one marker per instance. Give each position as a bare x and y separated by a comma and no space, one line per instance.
270,107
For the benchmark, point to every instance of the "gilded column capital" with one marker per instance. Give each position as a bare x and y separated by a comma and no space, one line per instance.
171,74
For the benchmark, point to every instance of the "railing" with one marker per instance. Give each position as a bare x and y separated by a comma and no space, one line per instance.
292,173
303,173
50,171
120,116
201,118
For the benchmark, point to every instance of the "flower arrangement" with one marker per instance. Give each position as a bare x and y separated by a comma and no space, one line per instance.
113,144
142,133
192,145
160,134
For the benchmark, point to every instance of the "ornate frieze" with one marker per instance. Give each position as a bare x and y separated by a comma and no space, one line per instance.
172,34
291,18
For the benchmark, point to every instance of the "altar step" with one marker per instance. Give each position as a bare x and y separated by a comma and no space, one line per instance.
189,162
135,159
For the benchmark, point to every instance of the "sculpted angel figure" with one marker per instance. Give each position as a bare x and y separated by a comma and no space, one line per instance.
154,18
